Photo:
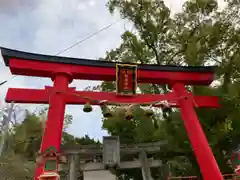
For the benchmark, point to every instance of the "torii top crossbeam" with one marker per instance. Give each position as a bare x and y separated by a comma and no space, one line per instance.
22,63
63,70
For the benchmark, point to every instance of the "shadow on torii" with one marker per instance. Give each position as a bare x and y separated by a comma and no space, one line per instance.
63,70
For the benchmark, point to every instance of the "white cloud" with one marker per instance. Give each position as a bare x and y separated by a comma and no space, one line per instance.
51,26
92,3
10,5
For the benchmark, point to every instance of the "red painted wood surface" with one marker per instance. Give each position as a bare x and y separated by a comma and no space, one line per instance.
53,130
43,96
203,153
46,69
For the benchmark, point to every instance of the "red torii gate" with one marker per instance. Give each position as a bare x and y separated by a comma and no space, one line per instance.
62,70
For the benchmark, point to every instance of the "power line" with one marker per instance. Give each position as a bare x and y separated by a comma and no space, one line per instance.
88,37
3,82
71,46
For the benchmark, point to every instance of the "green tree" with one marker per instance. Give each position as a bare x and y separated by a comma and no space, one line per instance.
16,167
200,35
24,142
27,136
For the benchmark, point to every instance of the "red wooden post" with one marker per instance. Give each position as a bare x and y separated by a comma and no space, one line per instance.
53,130
200,146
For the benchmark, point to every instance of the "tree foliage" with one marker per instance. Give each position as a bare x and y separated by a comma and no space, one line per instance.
201,34
23,142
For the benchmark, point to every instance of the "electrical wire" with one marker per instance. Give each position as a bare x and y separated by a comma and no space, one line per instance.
73,45
88,37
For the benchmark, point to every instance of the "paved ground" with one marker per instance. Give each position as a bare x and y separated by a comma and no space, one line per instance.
98,175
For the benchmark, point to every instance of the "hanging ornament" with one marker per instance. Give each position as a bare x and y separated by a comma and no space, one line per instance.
87,108
106,111
128,114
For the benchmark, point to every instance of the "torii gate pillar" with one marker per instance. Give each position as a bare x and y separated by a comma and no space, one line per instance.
54,123
198,140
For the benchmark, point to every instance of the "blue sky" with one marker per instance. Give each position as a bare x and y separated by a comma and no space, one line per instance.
49,26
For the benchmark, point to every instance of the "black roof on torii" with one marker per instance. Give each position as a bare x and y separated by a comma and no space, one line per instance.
10,53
